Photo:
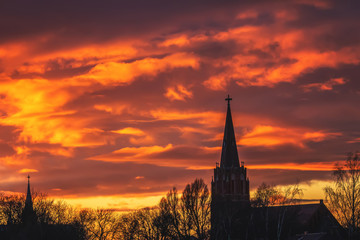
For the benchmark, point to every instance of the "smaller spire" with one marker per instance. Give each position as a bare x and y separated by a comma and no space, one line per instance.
28,214
28,200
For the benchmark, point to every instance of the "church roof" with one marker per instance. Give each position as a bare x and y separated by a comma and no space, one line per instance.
303,221
229,153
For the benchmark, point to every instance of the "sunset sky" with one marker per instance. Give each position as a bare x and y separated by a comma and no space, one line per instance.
111,103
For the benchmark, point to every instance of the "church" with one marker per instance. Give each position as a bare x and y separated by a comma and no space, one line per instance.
233,217
31,229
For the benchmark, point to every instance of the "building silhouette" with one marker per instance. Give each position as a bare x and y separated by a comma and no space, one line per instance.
229,186
31,229
28,215
233,217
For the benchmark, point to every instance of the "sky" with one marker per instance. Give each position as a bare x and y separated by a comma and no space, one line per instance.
112,103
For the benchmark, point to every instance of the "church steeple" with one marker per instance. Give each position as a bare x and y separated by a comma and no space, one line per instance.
28,215
28,201
229,153
229,186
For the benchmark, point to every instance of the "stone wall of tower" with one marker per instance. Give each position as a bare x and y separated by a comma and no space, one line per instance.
232,182
230,203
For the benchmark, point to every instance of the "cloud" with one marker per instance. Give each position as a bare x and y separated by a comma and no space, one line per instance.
281,59
178,93
123,73
26,170
268,136
130,131
326,86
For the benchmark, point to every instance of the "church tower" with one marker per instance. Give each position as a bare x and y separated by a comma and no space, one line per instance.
230,201
28,214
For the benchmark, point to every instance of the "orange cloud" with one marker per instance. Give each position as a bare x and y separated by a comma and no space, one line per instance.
135,152
248,69
356,140
263,135
316,166
28,170
115,73
326,86
130,131
114,108
18,53
140,137
247,14
183,40
178,92
240,68
35,105
162,156
206,118
176,41
36,109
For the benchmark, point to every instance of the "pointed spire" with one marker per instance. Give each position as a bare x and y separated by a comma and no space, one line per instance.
28,201
28,214
229,154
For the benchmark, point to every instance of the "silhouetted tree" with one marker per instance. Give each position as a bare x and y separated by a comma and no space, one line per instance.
178,220
147,228
43,208
177,217
11,207
343,199
163,222
186,216
129,227
196,201
265,195
100,224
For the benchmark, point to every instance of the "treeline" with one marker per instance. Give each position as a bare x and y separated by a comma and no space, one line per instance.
177,216
185,215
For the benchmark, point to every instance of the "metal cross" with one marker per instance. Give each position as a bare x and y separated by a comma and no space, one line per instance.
228,99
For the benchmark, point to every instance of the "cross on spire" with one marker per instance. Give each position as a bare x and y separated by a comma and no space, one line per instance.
228,99
229,154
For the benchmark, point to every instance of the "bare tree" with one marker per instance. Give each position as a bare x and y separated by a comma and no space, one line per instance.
343,199
265,195
100,224
163,221
129,227
146,219
196,201
178,219
11,207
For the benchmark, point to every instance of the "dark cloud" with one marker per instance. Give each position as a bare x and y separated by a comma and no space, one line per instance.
94,21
